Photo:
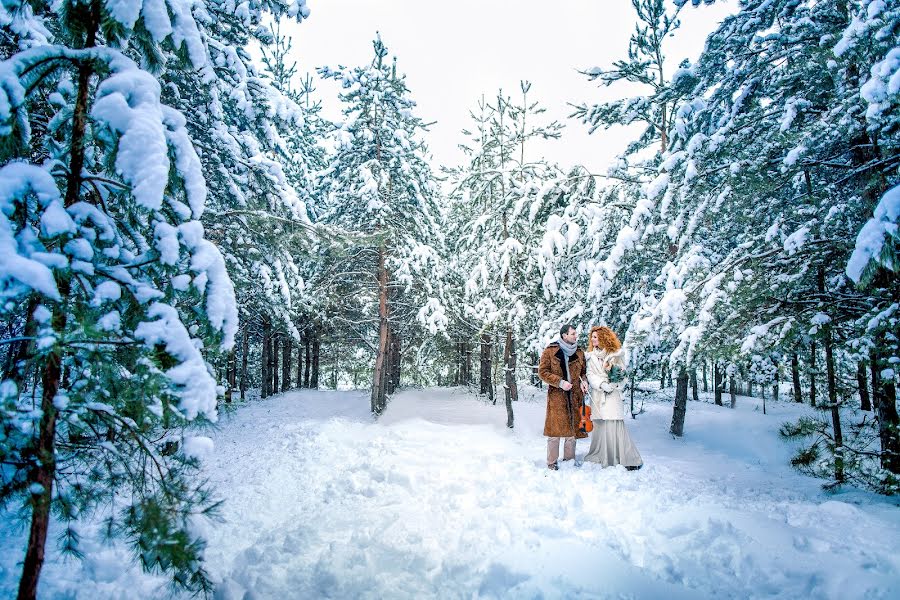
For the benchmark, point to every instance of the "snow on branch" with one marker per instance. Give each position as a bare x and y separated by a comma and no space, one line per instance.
870,243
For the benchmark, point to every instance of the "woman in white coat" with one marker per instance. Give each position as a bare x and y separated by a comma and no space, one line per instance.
610,442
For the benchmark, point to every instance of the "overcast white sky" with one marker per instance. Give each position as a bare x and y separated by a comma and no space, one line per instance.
453,51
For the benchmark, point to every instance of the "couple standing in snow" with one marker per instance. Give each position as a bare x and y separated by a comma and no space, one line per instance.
573,376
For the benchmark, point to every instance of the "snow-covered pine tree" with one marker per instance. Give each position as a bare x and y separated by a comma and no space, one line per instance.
119,295
302,156
380,189
622,252
775,164
496,196
245,129
646,66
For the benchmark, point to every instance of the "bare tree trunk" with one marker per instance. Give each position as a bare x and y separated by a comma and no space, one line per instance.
662,377
468,378
795,375
864,402
380,375
694,391
316,354
732,391
681,392
510,388
244,353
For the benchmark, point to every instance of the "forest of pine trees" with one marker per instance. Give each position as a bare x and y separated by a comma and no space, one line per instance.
181,228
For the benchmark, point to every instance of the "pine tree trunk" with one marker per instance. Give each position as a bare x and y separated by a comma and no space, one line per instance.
681,392
44,474
833,401
510,388
468,378
705,386
694,391
300,347
495,359
334,372
316,355
307,365
631,391
380,375
812,373
662,377
776,392
864,402
884,398
51,378
832,390
396,357
287,348
717,383
485,374
276,379
732,391
230,374
795,375
389,363
244,354
264,358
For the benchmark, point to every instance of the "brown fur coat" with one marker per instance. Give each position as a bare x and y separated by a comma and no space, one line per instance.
560,418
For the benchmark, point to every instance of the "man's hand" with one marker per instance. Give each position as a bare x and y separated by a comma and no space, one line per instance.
565,385
584,387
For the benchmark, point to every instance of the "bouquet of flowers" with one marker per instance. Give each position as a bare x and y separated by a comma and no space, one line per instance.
616,374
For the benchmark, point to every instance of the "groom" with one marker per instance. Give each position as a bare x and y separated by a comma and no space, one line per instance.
564,369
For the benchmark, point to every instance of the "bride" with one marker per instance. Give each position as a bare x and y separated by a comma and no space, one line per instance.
610,442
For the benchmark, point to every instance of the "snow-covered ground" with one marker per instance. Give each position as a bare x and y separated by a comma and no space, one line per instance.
439,499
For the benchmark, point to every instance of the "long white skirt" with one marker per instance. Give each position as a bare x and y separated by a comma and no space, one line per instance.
611,445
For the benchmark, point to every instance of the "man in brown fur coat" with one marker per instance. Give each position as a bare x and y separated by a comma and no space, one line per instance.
564,369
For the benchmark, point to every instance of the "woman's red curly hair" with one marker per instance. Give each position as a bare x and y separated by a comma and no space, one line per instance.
608,339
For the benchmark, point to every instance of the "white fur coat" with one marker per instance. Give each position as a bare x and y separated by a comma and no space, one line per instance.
606,397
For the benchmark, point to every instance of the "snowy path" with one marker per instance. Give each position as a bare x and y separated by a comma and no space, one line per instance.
439,499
